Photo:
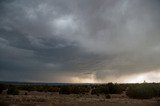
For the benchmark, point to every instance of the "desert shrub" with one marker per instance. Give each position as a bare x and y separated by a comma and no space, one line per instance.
41,88
143,91
12,90
100,90
80,89
107,96
73,89
65,90
28,87
2,87
109,88
95,91
156,88
115,88
53,89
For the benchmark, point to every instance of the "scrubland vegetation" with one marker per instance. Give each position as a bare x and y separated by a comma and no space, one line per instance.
143,91
28,94
135,91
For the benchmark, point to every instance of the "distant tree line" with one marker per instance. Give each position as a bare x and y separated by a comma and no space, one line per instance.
135,91
74,89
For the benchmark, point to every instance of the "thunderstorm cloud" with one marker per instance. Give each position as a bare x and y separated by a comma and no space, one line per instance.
79,40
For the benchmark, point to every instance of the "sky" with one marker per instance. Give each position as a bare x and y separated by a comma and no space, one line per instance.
80,41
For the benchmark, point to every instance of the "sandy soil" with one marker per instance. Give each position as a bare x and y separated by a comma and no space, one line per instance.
54,99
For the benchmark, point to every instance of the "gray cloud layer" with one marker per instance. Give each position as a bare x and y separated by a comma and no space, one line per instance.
55,40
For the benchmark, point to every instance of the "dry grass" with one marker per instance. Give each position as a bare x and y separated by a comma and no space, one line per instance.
54,99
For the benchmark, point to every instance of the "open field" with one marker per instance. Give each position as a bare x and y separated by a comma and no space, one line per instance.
35,98
145,94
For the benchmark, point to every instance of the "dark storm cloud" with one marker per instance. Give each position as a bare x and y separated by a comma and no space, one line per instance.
55,40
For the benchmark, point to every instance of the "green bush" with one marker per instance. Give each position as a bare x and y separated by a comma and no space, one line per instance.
12,90
100,90
143,91
115,88
109,88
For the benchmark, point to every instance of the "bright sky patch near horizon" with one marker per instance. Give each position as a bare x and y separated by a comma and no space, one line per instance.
80,41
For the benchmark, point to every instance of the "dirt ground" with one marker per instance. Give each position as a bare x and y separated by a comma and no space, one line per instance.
54,99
